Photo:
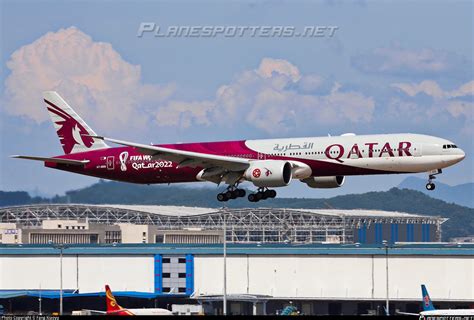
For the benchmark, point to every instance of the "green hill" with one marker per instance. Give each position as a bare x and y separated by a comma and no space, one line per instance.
460,223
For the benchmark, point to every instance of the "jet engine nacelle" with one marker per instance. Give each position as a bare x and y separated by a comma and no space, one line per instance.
325,182
269,173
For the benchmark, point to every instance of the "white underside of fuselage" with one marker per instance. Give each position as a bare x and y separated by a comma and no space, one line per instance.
150,312
448,312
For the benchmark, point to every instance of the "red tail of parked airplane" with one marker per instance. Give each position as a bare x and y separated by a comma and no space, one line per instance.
113,308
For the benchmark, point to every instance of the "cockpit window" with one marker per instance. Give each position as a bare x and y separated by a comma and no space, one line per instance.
449,146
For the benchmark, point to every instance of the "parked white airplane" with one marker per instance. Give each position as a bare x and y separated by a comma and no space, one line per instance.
429,309
319,162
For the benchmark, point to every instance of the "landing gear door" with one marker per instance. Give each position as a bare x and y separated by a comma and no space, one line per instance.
417,151
110,163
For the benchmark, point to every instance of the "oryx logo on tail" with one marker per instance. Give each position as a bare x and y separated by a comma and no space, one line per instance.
70,131
74,134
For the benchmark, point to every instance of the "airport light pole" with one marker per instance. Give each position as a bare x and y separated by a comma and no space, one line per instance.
61,248
224,296
39,301
385,244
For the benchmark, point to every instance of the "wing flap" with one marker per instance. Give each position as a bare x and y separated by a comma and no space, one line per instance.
55,160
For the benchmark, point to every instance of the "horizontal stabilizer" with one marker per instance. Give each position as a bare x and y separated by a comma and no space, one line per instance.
55,160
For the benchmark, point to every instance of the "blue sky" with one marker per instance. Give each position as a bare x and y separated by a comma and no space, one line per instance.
403,66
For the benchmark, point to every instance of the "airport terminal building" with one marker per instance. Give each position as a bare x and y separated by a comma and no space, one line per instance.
261,278
321,261
79,223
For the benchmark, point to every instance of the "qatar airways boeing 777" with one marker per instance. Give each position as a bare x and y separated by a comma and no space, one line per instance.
319,162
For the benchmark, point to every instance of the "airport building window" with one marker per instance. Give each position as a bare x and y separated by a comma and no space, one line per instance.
94,238
113,236
182,275
166,260
166,275
181,290
334,308
166,289
181,260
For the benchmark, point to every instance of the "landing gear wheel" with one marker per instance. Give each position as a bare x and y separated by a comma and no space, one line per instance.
235,194
241,193
430,186
267,194
252,197
222,197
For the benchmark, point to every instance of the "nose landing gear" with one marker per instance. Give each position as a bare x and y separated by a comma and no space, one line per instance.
430,185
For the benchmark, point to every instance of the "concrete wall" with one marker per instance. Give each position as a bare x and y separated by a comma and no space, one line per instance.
314,277
86,273
132,233
338,277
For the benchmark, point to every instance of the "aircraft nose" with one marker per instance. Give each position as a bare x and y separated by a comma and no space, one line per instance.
462,154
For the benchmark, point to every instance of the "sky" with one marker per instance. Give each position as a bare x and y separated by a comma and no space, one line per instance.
389,67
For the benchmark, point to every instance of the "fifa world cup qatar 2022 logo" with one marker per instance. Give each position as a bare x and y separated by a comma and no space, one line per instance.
123,160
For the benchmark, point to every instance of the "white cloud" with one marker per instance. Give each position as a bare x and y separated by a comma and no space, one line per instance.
310,83
266,99
268,67
108,91
464,90
428,87
105,89
443,105
185,114
395,60
433,89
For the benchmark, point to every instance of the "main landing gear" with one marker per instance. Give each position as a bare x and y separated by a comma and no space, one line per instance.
231,193
430,185
262,194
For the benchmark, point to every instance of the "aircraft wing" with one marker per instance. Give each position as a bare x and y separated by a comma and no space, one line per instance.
187,158
55,160
95,311
407,313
